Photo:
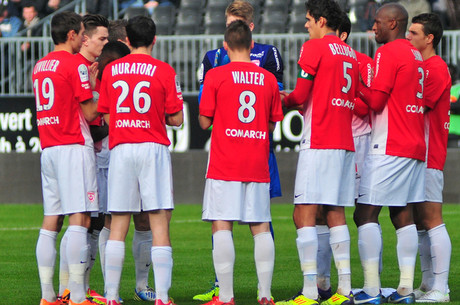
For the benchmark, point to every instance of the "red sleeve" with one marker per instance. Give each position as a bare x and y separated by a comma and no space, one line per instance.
310,57
375,99
300,94
435,83
385,71
174,100
361,109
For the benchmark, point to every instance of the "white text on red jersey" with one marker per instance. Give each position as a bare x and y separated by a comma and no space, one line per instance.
133,68
248,78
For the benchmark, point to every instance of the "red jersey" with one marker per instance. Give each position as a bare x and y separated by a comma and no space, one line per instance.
437,99
138,90
329,108
241,98
398,130
61,83
361,125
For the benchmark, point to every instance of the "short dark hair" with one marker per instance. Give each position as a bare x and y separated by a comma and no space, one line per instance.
29,3
117,30
63,23
328,9
92,21
238,35
345,25
431,25
141,31
113,50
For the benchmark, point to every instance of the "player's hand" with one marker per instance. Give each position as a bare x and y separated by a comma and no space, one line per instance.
283,95
93,71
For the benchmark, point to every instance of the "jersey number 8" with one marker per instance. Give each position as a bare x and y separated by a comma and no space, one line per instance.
247,113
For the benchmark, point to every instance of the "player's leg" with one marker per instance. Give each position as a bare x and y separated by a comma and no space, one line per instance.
324,255
97,223
46,255
142,244
115,254
340,245
264,257
406,247
223,254
103,238
369,246
429,217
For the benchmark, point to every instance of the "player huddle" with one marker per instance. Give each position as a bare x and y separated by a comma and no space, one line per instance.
373,136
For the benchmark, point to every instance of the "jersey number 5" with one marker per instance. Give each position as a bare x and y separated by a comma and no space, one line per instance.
347,76
137,96
46,91
247,113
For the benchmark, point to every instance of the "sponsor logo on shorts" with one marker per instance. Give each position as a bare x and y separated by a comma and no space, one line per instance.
91,196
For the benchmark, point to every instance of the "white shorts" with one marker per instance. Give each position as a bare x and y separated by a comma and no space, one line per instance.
246,202
69,180
140,178
362,143
434,183
325,176
102,175
392,181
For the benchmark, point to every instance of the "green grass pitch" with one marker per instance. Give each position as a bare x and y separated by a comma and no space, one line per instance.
192,273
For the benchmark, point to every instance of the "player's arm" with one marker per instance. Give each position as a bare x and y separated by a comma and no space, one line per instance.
205,122
300,94
175,119
107,118
361,109
375,99
89,109
271,126
274,64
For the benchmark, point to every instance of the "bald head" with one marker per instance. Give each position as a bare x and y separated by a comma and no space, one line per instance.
390,23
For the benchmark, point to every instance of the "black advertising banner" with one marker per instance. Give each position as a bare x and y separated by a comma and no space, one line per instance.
18,127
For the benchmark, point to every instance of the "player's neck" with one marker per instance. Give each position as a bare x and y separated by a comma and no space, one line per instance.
241,56
143,50
84,52
64,47
428,53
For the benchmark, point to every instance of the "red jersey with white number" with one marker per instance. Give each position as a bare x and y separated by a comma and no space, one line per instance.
329,108
242,99
137,91
437,99
61,83
398,130
361,125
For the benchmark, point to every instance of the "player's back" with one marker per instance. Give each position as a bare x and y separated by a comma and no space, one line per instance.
437,98
60,84
138,90
242,98
399,129
328,112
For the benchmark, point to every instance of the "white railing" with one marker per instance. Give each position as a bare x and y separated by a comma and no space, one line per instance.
185,54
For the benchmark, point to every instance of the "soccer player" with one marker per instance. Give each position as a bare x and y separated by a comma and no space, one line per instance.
139,95
326,88
435,248
142,239
265,56
94,39
393,173
361,137
242,103
64,104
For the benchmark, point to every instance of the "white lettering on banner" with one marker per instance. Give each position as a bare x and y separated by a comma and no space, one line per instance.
132,124
48,120
250,134
15,121
414,109
342,103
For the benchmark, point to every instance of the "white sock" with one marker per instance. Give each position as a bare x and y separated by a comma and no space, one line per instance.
114,257
223,255
381,251
103,238
425,260
441,248
92,253
369,245
406,248
142,245
307,246
264,257
324,257
340,245
77,256
63,265
162,270
46,258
